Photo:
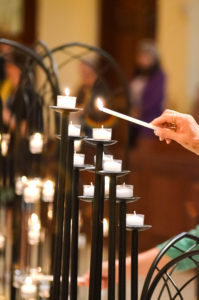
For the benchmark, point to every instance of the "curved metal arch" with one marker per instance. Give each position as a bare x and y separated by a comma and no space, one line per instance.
171,243
37,58
165,269
103,54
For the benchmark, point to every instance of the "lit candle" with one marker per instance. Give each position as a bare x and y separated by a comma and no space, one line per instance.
105,227
28,289
124,191
34,227
5,139
105,157
36,143
2,241
78,159
106,185
66,101
88,190
113,165
19,185
102,133
74,129
134,219
32,191
48,191
44,289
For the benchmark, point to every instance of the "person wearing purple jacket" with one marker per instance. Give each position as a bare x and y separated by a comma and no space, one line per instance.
147,89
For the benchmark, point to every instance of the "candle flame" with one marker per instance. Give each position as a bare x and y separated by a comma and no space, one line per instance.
67,91
100,104
28,280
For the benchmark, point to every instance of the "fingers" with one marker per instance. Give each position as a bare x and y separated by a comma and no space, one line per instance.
166,117
165,134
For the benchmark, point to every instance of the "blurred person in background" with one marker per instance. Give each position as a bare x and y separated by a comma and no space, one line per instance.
147,89
92,87
13,107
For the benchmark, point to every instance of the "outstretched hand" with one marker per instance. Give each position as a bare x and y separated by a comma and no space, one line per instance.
186,131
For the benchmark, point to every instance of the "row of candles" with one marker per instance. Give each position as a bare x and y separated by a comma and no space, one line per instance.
32,284
34,189
109,163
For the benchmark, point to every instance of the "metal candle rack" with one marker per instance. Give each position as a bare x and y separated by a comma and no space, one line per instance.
62,218
67,209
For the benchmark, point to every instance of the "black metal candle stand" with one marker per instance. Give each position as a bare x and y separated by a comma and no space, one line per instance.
112,237
75,226
67,209
134,257
62,214
97,221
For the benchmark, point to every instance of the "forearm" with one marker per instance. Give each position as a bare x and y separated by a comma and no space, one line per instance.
145,260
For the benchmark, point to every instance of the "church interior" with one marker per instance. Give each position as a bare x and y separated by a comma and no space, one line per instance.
92,204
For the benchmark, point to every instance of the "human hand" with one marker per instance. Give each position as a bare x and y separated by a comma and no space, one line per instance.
186,131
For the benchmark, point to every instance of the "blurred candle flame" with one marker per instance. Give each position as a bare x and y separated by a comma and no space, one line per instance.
67,91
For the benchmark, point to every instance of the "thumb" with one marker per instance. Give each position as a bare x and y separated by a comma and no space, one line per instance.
165,133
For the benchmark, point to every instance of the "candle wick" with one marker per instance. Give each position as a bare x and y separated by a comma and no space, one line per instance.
91,183
102,126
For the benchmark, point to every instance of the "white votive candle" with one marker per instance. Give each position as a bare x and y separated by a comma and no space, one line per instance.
134,219
31,192
102,133
105,157
36,143
28,289
34,227
124,191
33,237
5,139
88,190
78,159
66,101
74,129
19,185
48,191
113,165
44,289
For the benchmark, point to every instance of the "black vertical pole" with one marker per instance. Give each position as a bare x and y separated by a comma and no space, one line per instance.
122,251
74,246
134,265
112,239
67,221
97,231
60,209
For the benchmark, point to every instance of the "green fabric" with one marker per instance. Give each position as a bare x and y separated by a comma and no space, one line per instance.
184,245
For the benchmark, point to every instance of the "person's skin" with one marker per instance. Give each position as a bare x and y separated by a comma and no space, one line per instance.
144,260
186,133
